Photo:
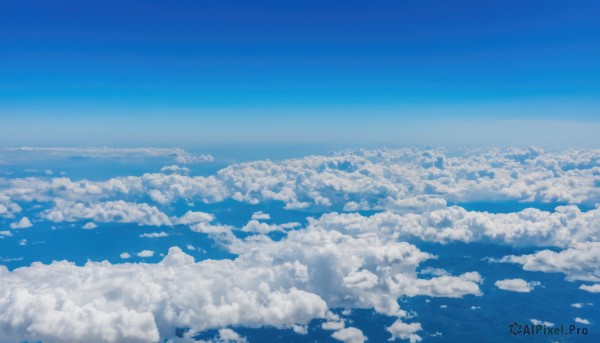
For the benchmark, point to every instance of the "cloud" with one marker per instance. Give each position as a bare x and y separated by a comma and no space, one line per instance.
404,331
201,222
300,329
443,286
230,336
580,262
255,226
400,181
279,283
543,323
175,169
154,235
143,302
434,271
349,335
595,288
90,225
111,211
529,227
21,224
582,321
145,253
516,285
260,215
339,260
5,233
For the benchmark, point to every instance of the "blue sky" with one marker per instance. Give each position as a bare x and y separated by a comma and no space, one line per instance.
364,72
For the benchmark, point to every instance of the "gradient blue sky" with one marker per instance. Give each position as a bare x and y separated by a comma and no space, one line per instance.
374,72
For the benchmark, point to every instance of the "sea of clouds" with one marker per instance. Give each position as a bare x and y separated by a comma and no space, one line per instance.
343,257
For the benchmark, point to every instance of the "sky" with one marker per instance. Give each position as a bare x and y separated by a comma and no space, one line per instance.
189,73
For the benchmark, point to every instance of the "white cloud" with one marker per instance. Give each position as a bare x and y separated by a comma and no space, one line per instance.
443,286
145,253
529,227
5,233
260,215
8,208
434,271
257,227
516,285
580,262
300,329
104,212
230,336
125,255
90,225
154,235
333,325
276,283
401,181
404,331
582,321
201,222
540,322
595,288
143,302
21,224
349,335
175,169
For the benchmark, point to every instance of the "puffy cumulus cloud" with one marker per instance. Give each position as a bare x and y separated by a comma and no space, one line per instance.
145,253
443,286
354,271
568,224
595,288
24,223
349,335
111,211
516,285
8,208
403,180
260,215
580,262
125,255
89,225
341,332
102,302
277,283
201,222
230,336
404,331
409,179
255,226
177,154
